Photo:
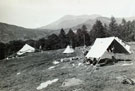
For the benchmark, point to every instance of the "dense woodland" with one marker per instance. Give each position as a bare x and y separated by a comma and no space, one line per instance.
125,31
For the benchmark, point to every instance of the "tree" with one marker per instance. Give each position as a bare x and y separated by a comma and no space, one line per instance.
129,32
63,38
126,30
122,28
133,30
42,43
71,38
106,29
80,38
84,28
123,22
31,42
14,46
2,50
86,36
98,31
53,42
113,27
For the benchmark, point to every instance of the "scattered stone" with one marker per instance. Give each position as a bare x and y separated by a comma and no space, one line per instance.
61,60
127,64
125,80
79,64
65,59
77,89
56,62
52,67
45,84
73,65
18,73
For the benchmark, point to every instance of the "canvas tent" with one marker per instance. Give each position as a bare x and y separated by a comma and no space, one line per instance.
102,44
68,49
26,48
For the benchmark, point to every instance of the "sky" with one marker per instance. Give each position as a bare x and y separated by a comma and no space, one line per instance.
37,13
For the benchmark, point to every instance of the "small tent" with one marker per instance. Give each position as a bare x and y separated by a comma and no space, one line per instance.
101,45
68,49
26,48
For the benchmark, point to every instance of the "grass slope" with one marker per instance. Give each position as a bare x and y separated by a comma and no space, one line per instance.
34,70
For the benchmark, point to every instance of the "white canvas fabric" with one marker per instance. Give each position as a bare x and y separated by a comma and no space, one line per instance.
101,45
69,49
26,48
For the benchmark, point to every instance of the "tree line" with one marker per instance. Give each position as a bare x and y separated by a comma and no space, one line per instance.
82,36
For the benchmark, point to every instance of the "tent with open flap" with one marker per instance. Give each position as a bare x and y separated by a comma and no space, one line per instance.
101,45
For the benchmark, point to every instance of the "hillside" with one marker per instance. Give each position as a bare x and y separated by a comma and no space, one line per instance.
75,22
11,32
89,23
27,73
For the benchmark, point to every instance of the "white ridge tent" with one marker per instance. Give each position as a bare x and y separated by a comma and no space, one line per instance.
101,45
26,48
68,49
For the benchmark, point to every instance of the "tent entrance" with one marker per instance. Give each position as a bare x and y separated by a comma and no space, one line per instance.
118,48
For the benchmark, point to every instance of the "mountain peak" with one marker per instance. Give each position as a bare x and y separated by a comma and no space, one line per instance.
80,16
69,21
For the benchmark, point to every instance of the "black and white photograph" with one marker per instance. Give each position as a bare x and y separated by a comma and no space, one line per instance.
67,45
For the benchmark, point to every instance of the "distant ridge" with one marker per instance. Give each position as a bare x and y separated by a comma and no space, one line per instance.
10,32
75,22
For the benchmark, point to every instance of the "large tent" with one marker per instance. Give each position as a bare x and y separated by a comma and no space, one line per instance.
101,45
68,49
26,48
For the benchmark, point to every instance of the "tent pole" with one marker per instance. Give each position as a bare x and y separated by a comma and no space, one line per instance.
84,39
93,68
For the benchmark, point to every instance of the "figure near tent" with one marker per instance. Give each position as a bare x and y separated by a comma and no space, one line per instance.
111,48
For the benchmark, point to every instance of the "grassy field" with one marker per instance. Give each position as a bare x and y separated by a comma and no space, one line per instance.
27,73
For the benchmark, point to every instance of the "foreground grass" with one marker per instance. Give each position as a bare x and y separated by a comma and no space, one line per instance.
34,70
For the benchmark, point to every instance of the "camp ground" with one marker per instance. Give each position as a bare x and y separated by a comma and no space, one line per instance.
56,71
67,45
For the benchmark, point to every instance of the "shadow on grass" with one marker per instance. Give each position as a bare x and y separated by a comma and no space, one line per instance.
108,61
